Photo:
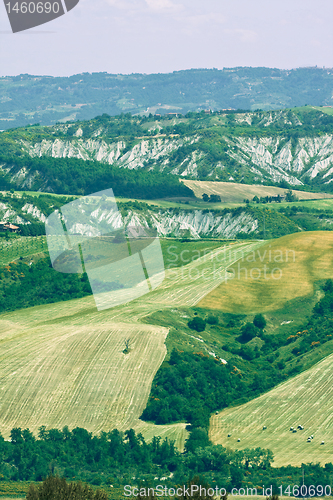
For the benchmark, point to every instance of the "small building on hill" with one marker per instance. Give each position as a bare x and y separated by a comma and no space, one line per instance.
7,226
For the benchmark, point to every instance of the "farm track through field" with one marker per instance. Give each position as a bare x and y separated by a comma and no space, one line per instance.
62,364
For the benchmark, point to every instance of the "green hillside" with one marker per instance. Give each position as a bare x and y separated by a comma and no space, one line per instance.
46,100
145,156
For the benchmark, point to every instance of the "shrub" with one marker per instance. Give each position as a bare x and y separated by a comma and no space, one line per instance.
259,321
57,488
249,331
197,324
212,320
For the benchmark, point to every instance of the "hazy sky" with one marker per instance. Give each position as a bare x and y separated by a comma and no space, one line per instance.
151,36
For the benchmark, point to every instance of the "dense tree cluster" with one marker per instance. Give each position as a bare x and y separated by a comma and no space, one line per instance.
190,386
23,285
121,458
72,176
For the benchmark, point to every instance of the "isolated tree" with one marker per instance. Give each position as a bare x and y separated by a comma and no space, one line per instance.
249,331
205,197
197,324
259,321
127,345
215,198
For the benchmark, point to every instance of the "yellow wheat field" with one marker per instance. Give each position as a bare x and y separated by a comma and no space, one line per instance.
305,400
298,259
231,192
63,364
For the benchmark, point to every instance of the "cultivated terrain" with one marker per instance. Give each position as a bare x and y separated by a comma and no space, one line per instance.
71,356
305,400
28,99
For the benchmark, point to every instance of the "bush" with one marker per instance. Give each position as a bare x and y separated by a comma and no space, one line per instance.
259,321
197,324
249,331
212,320
56,488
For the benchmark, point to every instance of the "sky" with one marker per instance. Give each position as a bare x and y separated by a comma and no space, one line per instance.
161,36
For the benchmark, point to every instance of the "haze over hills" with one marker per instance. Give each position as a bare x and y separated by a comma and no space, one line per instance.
28,99
163,160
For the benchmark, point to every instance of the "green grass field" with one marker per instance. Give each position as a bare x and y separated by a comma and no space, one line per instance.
324,109
323,204
14,248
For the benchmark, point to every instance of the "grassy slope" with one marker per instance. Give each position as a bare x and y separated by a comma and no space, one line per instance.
62,364
13,249
304,400
312,260
232,192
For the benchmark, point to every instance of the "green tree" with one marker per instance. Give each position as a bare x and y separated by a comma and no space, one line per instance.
212,320
259,321
197,324
249,331
198,439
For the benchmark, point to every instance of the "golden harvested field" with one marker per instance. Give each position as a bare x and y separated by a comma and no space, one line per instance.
231,192
298,259
306,399
62,364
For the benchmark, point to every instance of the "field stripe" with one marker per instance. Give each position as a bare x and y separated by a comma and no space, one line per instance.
306,399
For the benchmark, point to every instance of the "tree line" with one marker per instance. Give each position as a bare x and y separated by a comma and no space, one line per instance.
121,458
71,176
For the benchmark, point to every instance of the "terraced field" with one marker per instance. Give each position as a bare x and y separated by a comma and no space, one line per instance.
306,400
62,364
293,263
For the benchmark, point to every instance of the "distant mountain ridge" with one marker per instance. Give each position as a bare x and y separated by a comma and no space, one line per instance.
284,148
27,99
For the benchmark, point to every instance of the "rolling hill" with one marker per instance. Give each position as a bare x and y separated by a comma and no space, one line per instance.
298,259
232,192
282,148
63,364
46,99
304,400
